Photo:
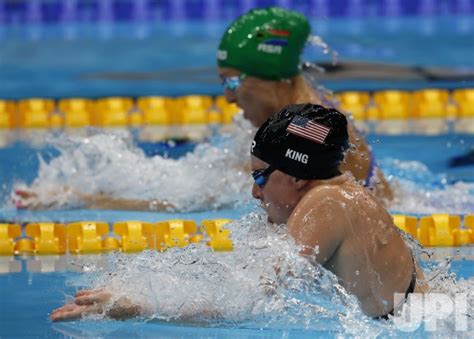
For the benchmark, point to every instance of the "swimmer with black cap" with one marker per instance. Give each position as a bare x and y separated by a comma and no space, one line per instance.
295,159
296,155
259,60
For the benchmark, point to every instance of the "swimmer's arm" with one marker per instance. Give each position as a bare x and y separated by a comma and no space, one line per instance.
383,189
29,199
106,202
89,302
318,229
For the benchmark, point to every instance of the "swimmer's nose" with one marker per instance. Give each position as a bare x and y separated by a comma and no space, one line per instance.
230,96
257,192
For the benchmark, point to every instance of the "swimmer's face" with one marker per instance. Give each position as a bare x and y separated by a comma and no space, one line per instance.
278,196
257,98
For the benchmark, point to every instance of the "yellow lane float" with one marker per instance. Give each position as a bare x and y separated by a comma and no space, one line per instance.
86,236
48,238
384,105
437,230
8,233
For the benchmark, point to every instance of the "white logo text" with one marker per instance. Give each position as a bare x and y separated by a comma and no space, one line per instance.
301,157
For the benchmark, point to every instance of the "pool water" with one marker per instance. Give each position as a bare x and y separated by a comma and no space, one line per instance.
30,295
177,58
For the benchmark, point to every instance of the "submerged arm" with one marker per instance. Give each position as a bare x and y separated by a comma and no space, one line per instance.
59,198
103,201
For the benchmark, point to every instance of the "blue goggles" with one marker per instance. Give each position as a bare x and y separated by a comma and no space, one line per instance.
232,83
261,176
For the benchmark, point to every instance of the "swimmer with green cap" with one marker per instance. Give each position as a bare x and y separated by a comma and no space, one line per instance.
259,58
296,156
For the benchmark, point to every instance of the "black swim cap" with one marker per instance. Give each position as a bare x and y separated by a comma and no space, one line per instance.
305,141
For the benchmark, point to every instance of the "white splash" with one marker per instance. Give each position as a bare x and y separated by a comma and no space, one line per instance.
213,176
316,40
242,288
210,177
417,190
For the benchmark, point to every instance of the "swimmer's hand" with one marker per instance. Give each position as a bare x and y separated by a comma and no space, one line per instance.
25,198
96,302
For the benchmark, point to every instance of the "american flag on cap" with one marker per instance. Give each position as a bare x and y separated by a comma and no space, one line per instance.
307,129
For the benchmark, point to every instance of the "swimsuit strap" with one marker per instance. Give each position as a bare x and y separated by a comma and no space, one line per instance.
372,169
410,289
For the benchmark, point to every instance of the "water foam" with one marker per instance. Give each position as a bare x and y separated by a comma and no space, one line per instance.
418,190
212,176
242,288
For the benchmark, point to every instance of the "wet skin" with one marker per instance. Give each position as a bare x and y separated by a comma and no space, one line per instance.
343,227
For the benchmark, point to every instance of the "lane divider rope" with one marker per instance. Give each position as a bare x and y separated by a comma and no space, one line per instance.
83,237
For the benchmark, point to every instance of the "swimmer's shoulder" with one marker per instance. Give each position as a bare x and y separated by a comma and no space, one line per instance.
324,196
335,188
322,192
329,195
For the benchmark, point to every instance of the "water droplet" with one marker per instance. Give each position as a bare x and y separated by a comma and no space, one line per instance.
316,40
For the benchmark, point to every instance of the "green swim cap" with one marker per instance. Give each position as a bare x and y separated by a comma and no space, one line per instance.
265,43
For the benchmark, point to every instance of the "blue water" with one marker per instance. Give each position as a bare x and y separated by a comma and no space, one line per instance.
28,297
178,58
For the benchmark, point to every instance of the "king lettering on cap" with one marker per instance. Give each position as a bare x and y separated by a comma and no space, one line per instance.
297,156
